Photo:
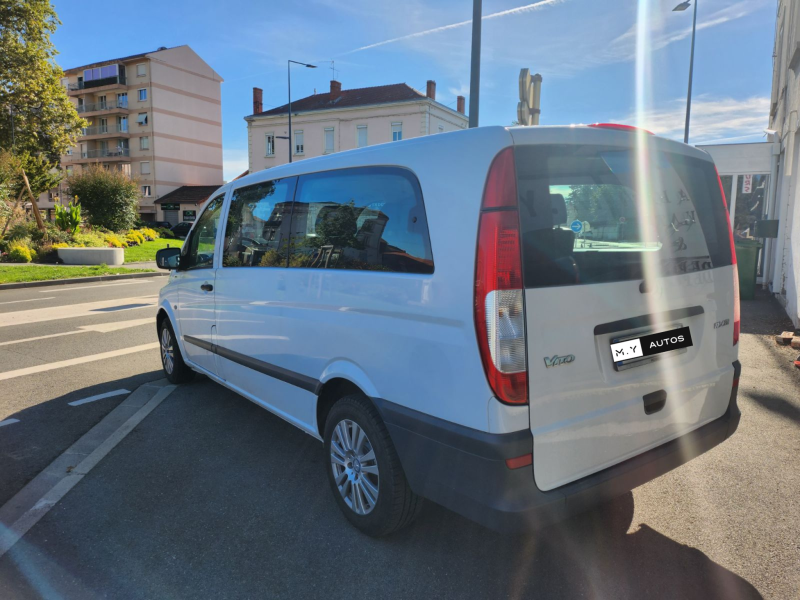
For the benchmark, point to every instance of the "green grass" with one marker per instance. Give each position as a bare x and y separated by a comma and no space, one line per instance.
43,273
147,251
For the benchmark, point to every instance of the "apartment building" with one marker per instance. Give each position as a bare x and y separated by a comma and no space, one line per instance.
345,119
156,116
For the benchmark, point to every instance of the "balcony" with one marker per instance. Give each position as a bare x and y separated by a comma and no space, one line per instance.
100,131
107,106
107,155
106,83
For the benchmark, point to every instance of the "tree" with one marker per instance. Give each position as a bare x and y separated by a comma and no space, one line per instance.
37,119
338,227
110,197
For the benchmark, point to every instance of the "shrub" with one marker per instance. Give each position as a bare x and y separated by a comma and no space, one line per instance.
110,197
47,253
165,233
58,245
134,238
113,240
89,239
68,218
29,232
20,253
149,234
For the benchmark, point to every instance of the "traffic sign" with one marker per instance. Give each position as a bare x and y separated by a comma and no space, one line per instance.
576,226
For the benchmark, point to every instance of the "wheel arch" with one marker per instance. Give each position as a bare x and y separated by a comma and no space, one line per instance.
330,393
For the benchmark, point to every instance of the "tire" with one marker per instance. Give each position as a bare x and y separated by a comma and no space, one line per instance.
356,471
171,360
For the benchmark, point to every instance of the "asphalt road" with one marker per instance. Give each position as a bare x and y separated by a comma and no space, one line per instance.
213,497
46,325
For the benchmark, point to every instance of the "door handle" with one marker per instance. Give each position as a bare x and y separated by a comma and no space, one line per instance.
207,287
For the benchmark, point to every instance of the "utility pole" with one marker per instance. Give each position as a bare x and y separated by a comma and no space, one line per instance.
475,69
691,69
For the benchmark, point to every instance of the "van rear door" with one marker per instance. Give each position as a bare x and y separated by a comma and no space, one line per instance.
629,286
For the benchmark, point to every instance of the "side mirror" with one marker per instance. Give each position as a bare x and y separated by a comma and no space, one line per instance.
168,258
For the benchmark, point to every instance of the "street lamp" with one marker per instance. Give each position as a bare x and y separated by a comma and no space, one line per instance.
289,72
680,8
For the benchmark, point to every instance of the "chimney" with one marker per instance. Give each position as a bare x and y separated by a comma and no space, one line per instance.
257,104
336,89
430,92
460,104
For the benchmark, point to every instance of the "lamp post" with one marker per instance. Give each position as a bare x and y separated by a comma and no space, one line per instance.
680,8
289,73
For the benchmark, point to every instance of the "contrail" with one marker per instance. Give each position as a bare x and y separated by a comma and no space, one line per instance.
502,13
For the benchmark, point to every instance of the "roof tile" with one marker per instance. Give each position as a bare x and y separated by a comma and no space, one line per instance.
395,92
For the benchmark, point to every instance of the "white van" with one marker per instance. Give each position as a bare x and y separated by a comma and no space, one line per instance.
515,323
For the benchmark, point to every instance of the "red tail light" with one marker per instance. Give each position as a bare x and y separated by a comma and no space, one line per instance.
736,304
499,293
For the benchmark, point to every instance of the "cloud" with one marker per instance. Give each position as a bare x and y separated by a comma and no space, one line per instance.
234,163
503,13
623,47
712,119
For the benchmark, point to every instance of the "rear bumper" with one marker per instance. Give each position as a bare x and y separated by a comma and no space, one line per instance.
465,471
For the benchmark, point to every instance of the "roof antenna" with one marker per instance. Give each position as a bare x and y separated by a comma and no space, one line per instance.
333,71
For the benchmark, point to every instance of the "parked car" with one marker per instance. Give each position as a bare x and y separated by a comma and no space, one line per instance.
161,224
181,230
429,311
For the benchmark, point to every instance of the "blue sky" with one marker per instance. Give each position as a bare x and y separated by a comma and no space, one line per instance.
586,50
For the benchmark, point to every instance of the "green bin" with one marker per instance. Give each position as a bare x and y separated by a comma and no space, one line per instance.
747,262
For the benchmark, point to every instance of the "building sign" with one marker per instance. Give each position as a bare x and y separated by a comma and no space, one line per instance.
166,206
747,184
189,215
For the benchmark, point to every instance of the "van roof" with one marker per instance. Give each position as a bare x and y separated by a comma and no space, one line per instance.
385,153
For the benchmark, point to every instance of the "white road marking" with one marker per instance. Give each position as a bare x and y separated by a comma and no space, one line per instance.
8,422
72,311
99,397
101,328
69,288
12,529
28,300
109,327
75,361
41,337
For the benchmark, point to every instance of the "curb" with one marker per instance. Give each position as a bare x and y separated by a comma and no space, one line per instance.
48,282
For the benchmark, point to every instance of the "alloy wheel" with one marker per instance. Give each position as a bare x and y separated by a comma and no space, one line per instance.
355,467
167,351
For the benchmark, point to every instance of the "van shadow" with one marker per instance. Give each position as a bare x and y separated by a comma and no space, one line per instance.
47,429
589,556
776,404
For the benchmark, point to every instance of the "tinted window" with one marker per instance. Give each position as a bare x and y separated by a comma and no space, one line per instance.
586,218
198,251
257,232
369,218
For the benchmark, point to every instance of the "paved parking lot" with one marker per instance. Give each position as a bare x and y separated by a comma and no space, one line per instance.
213,497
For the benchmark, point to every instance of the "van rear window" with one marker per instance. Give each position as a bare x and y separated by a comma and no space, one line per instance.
586,217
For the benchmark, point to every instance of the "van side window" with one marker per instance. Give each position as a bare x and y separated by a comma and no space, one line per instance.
368,218
198,251
257,231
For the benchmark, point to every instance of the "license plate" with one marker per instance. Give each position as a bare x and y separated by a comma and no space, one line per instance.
652,344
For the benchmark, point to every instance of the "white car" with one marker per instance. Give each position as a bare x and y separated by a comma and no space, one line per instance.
516,324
